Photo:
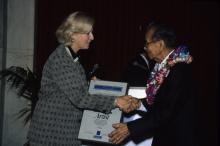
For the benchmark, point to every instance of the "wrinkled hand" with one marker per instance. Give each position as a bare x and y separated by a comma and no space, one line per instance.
119,134
127,103
135,104
123,102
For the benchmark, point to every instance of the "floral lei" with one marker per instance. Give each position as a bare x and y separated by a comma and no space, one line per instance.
180,54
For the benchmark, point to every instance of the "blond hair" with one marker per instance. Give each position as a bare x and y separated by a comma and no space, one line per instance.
77,22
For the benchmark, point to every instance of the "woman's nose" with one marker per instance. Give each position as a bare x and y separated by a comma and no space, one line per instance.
91,36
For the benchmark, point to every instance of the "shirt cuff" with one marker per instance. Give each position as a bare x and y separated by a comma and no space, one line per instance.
142,108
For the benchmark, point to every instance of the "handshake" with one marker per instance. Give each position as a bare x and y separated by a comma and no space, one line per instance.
127,103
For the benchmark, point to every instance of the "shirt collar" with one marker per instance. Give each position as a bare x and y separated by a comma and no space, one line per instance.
164,60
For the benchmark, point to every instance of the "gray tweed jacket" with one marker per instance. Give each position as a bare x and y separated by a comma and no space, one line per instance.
62,98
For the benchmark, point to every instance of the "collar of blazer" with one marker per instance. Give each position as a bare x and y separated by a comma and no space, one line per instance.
72,54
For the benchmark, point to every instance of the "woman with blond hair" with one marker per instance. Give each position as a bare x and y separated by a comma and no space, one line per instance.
64,89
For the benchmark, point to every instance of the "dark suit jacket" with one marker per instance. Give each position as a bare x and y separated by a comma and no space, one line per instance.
171,118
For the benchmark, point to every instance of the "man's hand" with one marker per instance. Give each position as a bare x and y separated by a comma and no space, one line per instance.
127,103
119,134
135,104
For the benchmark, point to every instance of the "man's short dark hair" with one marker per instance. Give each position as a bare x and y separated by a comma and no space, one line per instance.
163,32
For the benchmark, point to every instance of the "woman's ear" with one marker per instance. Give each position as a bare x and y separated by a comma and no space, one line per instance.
72,37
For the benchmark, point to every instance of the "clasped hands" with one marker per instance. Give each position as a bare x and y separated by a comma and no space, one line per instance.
127,103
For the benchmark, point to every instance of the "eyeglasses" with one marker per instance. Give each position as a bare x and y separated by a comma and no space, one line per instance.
148,43
87,33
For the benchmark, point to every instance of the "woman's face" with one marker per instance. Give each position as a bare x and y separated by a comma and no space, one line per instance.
82,40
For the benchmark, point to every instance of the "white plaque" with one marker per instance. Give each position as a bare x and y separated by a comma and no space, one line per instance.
95,126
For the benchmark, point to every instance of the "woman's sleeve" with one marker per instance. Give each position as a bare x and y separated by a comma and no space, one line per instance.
72,83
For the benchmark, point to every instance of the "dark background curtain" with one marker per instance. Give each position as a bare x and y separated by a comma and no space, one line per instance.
119,36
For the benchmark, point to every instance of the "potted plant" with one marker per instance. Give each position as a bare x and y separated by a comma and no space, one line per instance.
26,84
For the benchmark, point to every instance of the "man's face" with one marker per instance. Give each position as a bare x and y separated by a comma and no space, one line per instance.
153,47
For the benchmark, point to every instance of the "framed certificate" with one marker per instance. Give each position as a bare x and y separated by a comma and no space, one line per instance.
107,88
95,126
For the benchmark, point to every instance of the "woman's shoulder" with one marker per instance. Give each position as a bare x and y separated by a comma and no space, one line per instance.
58,52
56,55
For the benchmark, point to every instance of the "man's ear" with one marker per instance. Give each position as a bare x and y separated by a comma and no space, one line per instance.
161,43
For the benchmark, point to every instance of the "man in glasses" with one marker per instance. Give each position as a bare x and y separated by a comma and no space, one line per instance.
169,94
